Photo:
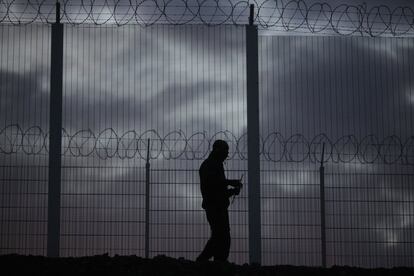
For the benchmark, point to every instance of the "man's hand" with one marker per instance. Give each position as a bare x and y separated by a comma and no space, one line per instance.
231,192
239,184
236,183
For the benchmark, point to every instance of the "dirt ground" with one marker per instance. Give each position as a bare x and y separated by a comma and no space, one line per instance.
165,266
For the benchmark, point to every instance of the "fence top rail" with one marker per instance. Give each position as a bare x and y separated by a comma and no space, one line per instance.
300,16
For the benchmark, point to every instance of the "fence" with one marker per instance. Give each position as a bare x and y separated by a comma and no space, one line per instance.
103,210
183,87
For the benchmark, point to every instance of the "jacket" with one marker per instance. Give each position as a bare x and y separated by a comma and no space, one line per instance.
213,184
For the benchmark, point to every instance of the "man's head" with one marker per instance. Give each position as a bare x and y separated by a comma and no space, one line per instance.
221,149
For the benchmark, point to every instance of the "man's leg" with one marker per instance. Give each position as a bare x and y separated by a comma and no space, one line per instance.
223,239
209,248
207,252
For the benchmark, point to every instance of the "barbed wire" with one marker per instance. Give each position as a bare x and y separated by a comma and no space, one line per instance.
294,15
174,145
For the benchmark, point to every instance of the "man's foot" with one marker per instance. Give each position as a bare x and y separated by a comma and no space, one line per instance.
221,261
201,259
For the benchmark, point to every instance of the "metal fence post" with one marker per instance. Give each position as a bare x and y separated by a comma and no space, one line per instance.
253,140
55,137
147,201
322,203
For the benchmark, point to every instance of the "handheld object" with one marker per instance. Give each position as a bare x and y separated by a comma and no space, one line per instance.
238,188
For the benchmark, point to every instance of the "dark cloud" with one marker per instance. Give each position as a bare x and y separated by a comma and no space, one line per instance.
152,112
337,85
24,100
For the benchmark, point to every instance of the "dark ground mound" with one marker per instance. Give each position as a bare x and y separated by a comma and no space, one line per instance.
165,266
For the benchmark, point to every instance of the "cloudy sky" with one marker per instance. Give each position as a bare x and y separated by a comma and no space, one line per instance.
189,81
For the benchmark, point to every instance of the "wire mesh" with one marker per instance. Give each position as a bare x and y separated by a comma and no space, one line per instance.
102,212
123,86
183,87
342,84
369,218
24,100
290,217
178,224
24,97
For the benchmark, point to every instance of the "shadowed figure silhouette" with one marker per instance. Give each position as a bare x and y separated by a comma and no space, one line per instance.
215,192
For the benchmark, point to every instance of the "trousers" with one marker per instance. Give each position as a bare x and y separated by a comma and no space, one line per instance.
218,246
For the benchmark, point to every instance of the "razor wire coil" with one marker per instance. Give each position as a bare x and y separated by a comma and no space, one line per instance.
289,16
174,145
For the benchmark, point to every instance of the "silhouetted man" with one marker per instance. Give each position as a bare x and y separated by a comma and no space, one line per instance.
216,195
